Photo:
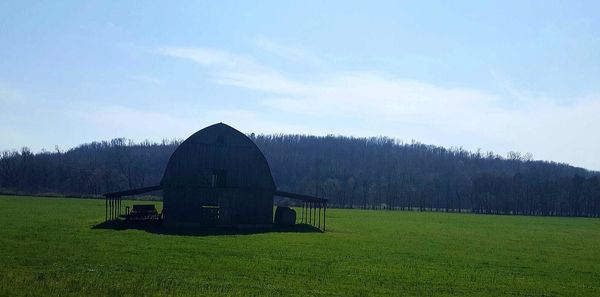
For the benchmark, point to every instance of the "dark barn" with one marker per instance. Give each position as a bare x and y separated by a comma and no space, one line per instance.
218,169
218,177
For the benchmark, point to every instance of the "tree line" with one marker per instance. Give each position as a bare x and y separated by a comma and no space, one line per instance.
377,172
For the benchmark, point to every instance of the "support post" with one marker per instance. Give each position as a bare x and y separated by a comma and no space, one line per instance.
311,213
320,214
307,221
324,216
308,213
305,212
315,219
314,214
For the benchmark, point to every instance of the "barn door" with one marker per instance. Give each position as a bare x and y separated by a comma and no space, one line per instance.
209,215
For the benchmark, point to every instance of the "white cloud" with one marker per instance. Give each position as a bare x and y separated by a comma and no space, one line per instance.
253,122
294,54
235,70
212,57
406,108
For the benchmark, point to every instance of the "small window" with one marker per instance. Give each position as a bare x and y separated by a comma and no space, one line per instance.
219,179
220,139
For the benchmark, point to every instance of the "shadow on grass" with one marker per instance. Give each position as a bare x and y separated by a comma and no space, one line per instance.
157,228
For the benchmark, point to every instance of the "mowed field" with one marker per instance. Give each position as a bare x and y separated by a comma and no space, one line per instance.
49,248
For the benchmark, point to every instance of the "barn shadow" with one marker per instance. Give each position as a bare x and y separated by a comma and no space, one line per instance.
157,228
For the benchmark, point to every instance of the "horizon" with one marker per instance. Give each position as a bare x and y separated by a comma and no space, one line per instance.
397,141
475,75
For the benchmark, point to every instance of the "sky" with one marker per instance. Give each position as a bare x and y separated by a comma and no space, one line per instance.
492,75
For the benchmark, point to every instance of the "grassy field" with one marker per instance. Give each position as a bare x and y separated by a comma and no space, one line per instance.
48,247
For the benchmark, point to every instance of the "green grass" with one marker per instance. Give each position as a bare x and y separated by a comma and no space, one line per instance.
48,247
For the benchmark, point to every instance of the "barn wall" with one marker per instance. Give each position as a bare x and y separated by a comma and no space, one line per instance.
237,207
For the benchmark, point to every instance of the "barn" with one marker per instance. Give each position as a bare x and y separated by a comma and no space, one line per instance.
218,177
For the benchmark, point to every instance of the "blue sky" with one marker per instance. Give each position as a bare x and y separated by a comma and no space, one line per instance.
496,75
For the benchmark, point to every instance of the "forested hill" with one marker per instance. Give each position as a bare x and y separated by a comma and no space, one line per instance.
352,172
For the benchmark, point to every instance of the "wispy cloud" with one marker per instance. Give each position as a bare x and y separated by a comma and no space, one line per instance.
369,95
403,107
212,57
251,121
235,70
291,53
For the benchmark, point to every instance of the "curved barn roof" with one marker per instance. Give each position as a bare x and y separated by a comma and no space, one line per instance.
218,149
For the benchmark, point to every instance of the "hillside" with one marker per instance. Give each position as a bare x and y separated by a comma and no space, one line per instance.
351,172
